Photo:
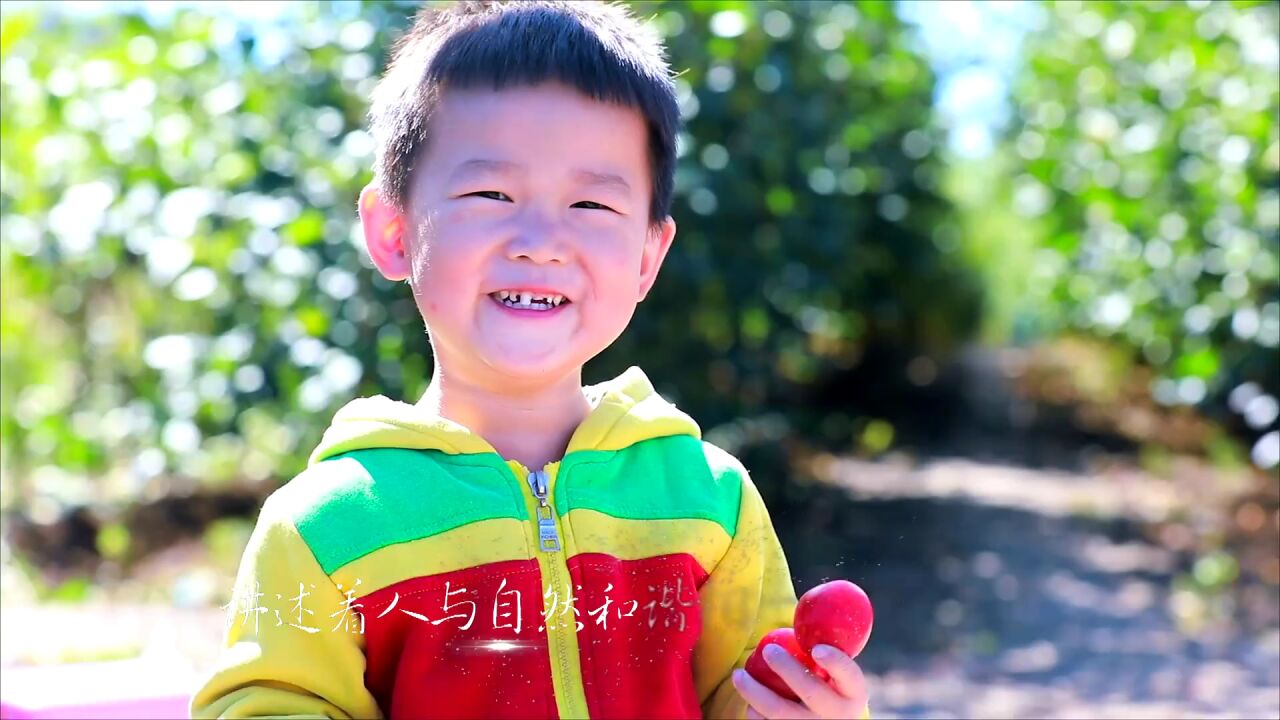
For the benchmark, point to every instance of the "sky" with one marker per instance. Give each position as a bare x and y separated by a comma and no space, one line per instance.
973,47
972,44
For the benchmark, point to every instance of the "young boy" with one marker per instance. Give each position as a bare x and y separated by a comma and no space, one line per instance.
516,545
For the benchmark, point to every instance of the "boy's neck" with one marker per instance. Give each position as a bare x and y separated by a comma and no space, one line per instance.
530,425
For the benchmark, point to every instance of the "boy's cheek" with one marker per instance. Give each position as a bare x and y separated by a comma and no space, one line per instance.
608,264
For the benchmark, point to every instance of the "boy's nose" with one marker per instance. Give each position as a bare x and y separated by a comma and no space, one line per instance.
539,241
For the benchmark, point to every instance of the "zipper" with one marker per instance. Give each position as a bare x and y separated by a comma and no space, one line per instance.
548,535
562,640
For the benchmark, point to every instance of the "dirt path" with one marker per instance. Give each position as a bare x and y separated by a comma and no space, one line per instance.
995,600
1023,568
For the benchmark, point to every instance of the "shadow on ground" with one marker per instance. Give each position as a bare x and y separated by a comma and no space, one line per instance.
1021,584
991,596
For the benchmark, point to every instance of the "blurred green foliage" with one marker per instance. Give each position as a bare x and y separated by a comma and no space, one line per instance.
810,223
1142,170
183,297
186,299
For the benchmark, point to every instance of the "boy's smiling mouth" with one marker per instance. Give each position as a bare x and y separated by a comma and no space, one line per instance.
535,300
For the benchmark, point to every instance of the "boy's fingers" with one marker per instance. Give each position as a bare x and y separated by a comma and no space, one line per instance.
765,702
816,695
845,673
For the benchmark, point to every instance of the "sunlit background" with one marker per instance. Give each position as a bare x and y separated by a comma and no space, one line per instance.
986,295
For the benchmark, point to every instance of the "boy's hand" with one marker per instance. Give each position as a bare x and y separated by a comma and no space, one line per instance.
848,699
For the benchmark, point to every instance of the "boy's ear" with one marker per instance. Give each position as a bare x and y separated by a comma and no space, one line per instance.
383,235
656,244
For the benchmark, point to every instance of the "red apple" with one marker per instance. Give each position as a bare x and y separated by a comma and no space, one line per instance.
760,670
837,613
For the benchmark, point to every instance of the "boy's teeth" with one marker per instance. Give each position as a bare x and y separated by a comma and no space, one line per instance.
525,299
528,300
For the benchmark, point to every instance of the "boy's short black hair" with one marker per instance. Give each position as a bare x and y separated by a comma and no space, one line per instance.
596,48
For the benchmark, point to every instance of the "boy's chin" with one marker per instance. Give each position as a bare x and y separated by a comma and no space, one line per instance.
532,365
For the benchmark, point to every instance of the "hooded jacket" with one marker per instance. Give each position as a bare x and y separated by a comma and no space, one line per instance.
412,572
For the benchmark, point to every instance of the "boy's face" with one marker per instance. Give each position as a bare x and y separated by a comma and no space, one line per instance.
526,189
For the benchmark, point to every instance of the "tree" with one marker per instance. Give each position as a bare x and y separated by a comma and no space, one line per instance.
186,297
1145,159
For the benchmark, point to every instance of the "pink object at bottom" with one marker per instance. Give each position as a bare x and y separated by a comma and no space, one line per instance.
170,708
138,689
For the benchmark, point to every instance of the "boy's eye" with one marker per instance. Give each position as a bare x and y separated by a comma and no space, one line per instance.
491,195
589,205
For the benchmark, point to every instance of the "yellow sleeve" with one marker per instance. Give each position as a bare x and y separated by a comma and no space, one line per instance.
747,594
269,665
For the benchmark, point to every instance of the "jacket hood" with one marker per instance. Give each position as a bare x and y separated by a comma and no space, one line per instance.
625,411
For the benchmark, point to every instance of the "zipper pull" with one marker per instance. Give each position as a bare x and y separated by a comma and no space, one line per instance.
548,536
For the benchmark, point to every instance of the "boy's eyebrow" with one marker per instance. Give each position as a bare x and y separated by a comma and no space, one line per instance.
486,166
607,180
483,166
